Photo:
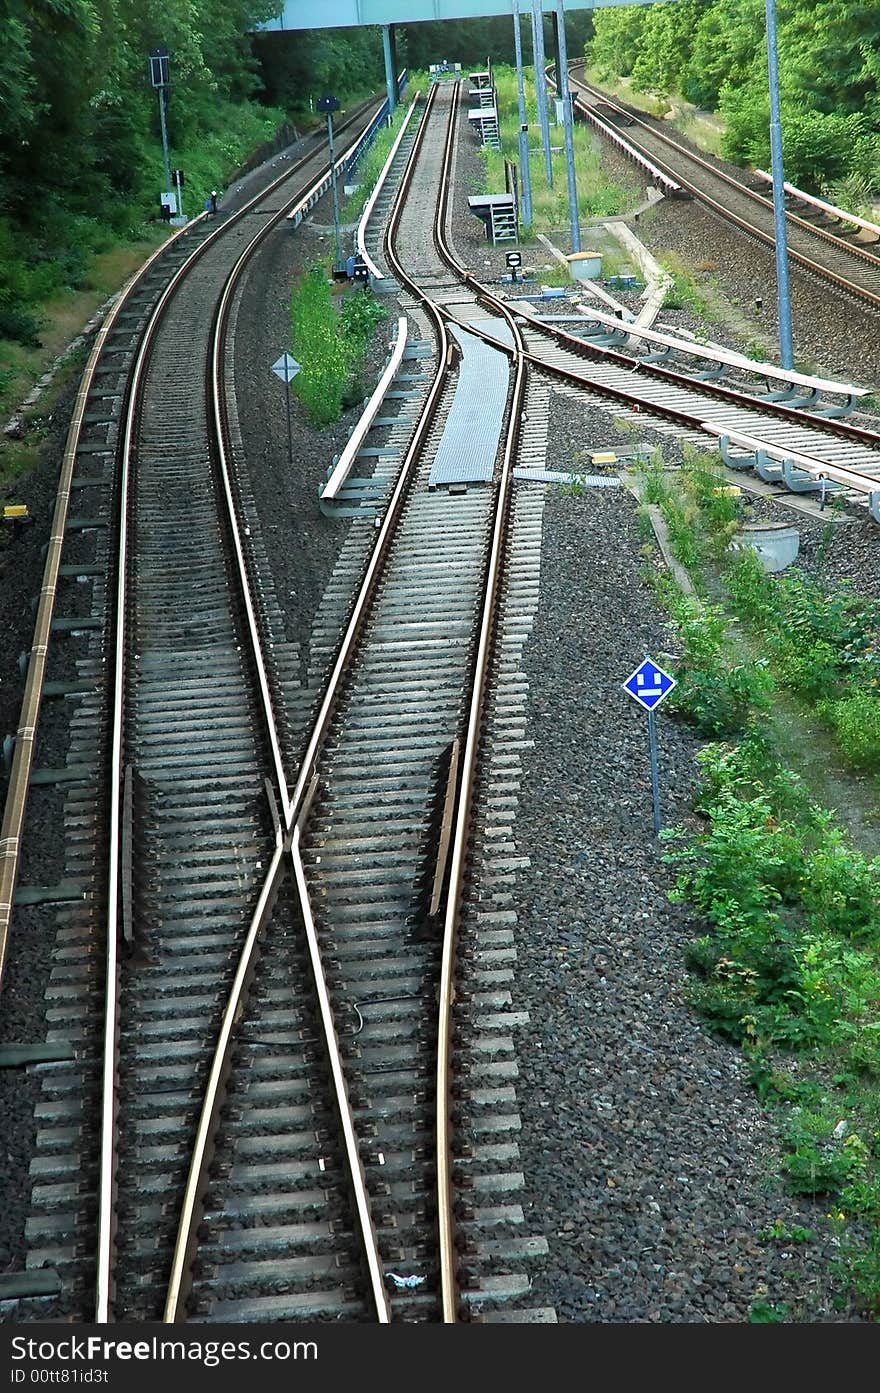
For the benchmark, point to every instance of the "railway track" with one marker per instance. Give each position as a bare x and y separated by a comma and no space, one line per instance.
308,1075
852,268
279,1064
175,718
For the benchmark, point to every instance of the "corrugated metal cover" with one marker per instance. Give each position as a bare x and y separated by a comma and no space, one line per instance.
467,450
493,326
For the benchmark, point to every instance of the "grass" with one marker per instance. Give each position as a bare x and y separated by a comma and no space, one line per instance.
597,197
371,164
66,315
787,966
704,129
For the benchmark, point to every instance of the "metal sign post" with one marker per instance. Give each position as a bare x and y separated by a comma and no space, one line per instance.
159,79
287,368
648,685
331,104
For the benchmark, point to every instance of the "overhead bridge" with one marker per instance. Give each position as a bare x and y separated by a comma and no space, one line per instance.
387,14
351,14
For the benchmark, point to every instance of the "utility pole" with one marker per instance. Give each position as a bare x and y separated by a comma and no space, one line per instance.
565,94
541,85
786,357
524,172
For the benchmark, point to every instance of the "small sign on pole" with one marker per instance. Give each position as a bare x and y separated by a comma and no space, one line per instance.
649,685
287,368
159,67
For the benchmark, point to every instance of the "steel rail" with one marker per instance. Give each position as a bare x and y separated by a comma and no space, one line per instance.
357,1173
863,435
25,740
295,811
463,805
831,209
106,1185
180,1278
386,531
858,292
360,235
106,1165
190,1214
860,252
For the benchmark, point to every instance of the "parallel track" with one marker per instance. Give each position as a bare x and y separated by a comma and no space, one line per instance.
852,268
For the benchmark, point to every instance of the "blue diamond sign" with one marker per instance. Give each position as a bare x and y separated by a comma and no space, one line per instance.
649,684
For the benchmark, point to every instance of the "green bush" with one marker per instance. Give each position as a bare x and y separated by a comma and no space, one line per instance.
330,346
838,886
855,717
721,698
809,669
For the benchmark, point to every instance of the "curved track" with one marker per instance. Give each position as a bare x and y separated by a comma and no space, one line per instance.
852,268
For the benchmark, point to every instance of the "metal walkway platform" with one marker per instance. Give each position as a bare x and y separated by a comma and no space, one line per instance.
467,450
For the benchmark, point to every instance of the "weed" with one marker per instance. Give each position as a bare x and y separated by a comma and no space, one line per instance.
855,718
330,346
573,486
768,1313
780,1232
682,291
719,697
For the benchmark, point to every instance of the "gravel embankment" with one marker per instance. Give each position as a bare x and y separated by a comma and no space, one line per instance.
649,1164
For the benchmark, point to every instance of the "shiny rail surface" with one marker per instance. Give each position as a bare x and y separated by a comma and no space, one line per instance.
169,493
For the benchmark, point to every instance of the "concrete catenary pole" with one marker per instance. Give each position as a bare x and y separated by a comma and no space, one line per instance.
390,67
786,357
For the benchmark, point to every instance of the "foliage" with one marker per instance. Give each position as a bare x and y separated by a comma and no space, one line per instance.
682,293
550,211
789,964
81,161
714,53
786,959
719,696
472,42
329,346
855,718
299,66
821,646
768,1313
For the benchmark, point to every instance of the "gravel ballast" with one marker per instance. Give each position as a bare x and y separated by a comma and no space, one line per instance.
649,1165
